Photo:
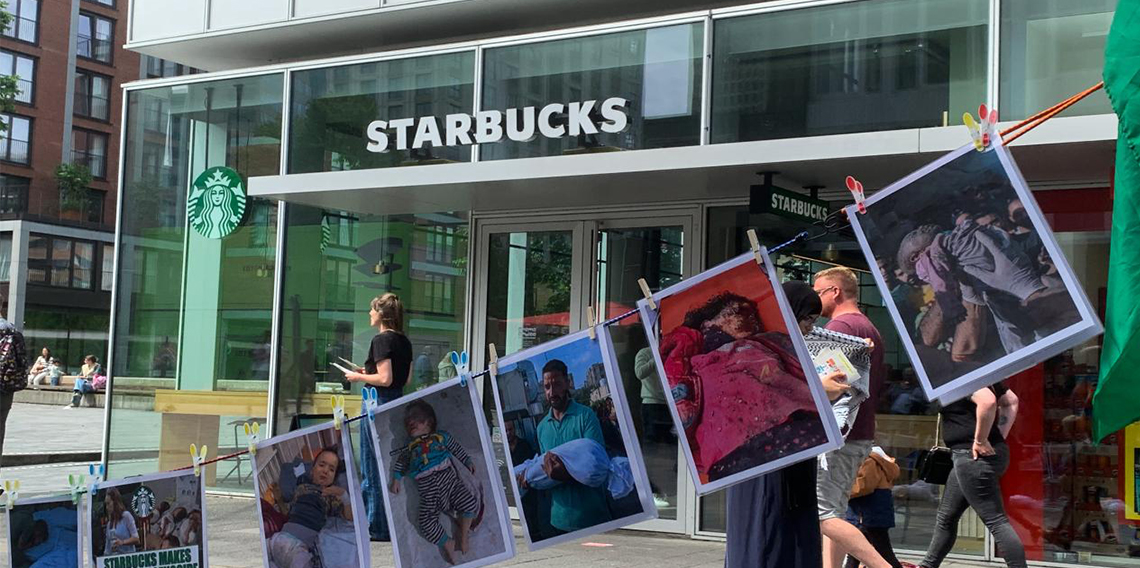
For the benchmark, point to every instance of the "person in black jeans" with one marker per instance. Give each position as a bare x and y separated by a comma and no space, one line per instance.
976,434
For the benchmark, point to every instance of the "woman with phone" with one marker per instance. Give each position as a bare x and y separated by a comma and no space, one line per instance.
388,368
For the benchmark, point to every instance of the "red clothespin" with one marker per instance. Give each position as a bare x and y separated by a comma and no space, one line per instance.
856,189
981,130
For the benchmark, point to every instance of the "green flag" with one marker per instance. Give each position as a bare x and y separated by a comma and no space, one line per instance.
1116,403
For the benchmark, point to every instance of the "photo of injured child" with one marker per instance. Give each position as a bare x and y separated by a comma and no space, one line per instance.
43,533
737,379
576,466
152,520
443,506
971,272
312,514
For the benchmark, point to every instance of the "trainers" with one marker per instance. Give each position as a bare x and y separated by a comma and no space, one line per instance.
661,502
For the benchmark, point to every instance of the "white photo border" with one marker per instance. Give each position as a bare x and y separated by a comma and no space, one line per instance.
203,560
823,406
1087,328
633,448
80,519
359,516
488,457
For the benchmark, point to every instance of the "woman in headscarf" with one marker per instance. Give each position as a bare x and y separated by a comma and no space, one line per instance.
772,520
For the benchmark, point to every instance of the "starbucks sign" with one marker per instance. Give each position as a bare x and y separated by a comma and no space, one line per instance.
142,503
216,203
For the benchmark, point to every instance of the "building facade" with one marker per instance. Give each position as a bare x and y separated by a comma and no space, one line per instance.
510,237
56,246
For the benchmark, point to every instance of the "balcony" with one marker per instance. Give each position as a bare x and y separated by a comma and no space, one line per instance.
216,35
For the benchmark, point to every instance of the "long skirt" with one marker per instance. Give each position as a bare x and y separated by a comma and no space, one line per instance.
773,521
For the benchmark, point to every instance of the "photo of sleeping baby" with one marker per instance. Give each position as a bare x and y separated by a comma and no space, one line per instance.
157,518
737,379
576,466
43,533
312,515
972,272
444,508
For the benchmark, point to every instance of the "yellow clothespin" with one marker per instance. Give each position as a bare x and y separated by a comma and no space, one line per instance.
12,490
75,483
198,456
338,411
252,435
647,293
493,363
754,242
592,316
980,129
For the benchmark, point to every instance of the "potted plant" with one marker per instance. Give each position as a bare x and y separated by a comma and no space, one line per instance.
73,180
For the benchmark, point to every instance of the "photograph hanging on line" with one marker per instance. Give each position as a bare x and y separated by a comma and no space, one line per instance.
971,272
734,376
442,493
156,520
44,533
576,468
311,510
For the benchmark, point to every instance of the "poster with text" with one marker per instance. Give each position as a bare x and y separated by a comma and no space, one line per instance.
44,533
576,467
310,507
443,496
156,520
737,379
971,273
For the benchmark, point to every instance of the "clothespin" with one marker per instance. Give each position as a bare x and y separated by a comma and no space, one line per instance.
337,402
12,490
493,363
252,436
754,242
980,130
647,293
592,316
369,401
75,483
198,456
856,189
462,366
96,471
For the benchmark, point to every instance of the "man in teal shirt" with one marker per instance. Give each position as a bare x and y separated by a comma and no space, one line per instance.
573,506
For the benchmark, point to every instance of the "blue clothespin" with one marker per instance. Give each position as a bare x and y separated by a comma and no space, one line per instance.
461,363
369,401
92,468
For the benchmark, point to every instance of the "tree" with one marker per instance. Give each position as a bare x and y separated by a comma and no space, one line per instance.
9,85
73,180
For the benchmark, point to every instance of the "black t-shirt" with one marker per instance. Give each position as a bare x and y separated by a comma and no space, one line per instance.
959,419
395,346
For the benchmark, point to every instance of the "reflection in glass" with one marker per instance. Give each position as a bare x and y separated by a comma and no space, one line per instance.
528,289
1051,51
335,264
332,107
657,70
849,67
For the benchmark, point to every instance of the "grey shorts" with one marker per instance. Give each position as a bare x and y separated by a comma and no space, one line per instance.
833,485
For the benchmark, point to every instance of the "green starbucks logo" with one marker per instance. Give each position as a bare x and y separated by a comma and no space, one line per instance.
216,203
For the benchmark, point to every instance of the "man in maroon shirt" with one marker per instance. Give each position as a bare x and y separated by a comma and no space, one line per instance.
838,289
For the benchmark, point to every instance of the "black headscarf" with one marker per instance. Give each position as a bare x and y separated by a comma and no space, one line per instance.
802,299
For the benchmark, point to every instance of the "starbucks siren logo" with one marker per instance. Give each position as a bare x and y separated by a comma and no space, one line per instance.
143,501
216,203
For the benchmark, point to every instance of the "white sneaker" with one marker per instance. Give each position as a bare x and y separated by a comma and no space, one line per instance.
661,502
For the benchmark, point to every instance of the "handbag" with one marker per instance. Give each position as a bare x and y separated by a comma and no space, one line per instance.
934,465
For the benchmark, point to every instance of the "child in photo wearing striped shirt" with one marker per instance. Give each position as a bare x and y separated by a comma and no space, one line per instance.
430,459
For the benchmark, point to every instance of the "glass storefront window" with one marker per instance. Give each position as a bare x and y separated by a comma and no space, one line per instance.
332,108
657,70
335,264
191,353
1051,51
849,67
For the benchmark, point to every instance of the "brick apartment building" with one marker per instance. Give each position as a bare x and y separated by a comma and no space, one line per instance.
56,251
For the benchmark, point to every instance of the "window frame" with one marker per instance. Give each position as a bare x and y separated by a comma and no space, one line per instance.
106,150
4,196
95,18
7,135
16,55
46,264
17,16
90,77
108,4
